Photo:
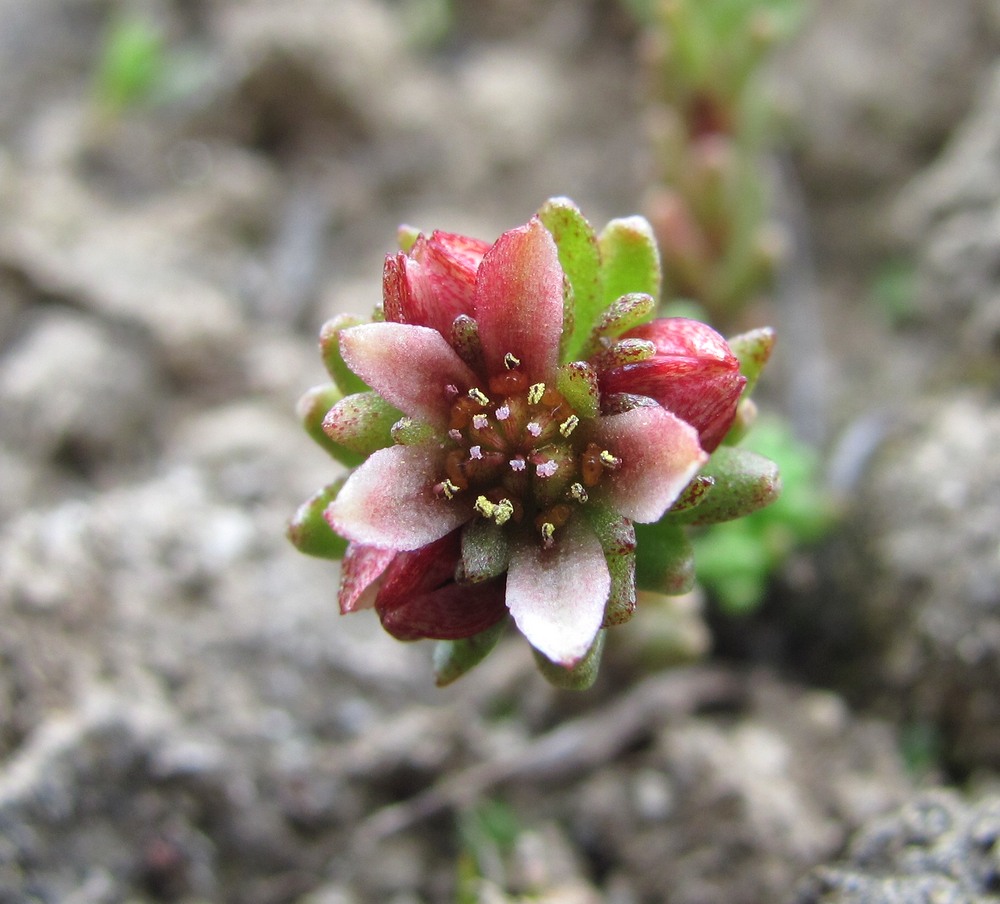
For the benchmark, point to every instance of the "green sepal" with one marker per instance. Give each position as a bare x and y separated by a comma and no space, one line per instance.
361,423
617,537
329,346
630,259
406,237
485,551
579,677
465,341
308,529
408,432
577,382
753,350
312,409
664,558
621,315
581,262
453,658
744,482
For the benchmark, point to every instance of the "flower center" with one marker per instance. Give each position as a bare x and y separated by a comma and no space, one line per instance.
521,453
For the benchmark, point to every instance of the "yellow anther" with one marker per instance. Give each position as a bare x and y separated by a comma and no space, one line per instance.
609,460
510,362
569,425
485,508
535,393
578,492
449,489
548,532
478,396
504,510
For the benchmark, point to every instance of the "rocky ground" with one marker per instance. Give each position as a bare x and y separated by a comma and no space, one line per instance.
183,716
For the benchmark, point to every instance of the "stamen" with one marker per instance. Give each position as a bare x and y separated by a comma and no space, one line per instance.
610,461
447,488
503,511
480,421
510,362
485,508
451,392
548,532
503,412
517,464
569,425
578,492
475,452
534,428
535,393
477,395
455,434
547,468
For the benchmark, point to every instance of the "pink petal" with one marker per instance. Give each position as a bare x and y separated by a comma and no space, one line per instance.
557,596
419,597
659,453
389,501
519,301
409,366
361,568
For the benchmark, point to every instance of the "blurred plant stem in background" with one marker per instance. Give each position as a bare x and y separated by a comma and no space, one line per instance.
712,123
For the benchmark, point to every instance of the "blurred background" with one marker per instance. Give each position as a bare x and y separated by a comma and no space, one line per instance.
190,188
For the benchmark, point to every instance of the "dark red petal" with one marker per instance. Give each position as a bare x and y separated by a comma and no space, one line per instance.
419,598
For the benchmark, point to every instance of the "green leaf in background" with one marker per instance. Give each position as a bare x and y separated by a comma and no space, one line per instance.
131,64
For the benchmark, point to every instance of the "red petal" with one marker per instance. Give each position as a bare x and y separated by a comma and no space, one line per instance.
557,596
519,301
693,374
409,366
389,501
659,453
419,598
361,568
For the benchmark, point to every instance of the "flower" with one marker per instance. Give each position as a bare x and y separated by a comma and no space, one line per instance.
514,425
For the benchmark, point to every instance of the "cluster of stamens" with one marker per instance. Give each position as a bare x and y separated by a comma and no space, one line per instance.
517,453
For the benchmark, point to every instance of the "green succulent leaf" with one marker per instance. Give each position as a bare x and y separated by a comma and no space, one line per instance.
361,423
577,381
664,558
485,551
329,345
744,482
630,259
753,349
617,537
581,262
312,409
308,529
579,677
623,314
453,658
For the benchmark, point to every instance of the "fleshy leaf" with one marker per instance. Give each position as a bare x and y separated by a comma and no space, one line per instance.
464,338
630,259
744,482
453,658
694,493
361,422
308,530
577,381
624,353
329,346
623,314
580,261
485,551
578,677
664,558
617,537
408,432
312,409
753,350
